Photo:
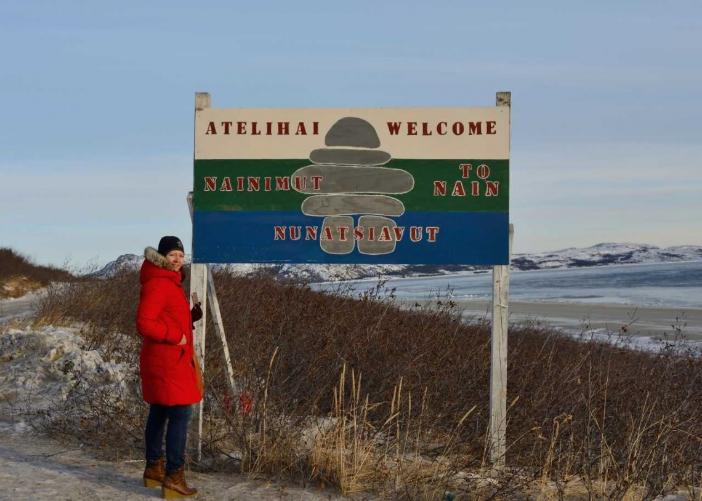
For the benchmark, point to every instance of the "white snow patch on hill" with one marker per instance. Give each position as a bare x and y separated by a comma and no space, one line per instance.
598,255
123,262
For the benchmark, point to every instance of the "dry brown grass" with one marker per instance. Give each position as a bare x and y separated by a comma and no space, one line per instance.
17,286
366,396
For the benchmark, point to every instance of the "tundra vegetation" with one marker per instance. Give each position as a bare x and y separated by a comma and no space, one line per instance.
368,397
18,275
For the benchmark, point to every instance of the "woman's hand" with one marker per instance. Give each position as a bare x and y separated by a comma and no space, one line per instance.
196,312
183,340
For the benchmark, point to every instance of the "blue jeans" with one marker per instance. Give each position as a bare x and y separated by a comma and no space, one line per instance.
178,417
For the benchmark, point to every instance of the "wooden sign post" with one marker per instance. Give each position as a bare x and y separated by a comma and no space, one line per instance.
498,362
202,284
198,284
498,345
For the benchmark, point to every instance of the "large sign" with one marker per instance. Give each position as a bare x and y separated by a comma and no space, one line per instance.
386,185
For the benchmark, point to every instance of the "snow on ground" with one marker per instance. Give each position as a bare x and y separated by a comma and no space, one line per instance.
21,307
651,344
39,368
39,468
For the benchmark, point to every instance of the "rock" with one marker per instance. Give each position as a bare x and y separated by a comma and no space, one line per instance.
380,225
337,205
352,131
336,245
352,179
340,156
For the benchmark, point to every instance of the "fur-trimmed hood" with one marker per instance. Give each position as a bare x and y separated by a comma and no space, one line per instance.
153,256
157,266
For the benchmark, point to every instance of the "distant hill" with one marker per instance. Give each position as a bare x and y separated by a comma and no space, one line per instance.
605,254
18,275
598,255
123,262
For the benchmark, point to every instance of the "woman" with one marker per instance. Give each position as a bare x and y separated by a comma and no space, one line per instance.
169,379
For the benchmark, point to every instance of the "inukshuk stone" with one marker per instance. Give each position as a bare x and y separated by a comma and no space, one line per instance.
353,181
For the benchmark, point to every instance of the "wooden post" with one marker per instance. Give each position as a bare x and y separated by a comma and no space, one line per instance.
217,316
198,284
202,101
498,347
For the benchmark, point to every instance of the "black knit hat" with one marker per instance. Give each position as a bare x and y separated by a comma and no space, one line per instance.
168,244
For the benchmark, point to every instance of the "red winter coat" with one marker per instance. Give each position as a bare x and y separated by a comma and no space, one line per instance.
167,370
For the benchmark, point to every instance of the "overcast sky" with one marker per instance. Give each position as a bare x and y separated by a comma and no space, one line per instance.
97,121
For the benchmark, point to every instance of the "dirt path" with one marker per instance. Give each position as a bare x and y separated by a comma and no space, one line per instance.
38,468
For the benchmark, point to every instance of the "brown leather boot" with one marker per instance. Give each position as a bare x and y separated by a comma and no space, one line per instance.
154,473
174,485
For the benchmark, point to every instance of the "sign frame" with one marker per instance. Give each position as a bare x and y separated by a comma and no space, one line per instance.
356,186
202,283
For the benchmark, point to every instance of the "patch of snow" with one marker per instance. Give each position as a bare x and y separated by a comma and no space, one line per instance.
681,347
19,308
124,262
35,467
606,254
40,367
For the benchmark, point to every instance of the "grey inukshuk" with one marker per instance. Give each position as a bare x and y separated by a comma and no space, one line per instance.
353,182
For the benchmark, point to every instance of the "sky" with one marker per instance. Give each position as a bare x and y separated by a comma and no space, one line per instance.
96,134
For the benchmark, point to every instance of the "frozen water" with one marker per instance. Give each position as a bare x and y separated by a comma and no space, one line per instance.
655,285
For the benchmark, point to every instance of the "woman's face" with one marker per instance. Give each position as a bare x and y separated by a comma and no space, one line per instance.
176,259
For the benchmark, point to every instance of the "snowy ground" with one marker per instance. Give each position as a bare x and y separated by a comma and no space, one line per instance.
42,365
19,308
39,366
33,467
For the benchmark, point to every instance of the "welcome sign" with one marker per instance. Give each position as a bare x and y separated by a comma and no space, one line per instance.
385,185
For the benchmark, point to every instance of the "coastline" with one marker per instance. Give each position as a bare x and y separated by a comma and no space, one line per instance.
653,322
487,271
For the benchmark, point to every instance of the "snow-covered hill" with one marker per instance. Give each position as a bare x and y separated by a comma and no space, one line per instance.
606,253
123,262
597,255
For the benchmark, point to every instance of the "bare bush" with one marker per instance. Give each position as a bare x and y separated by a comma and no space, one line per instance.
399,397
19,275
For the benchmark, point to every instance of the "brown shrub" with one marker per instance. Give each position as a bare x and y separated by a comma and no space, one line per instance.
18,275
14,264
577,409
